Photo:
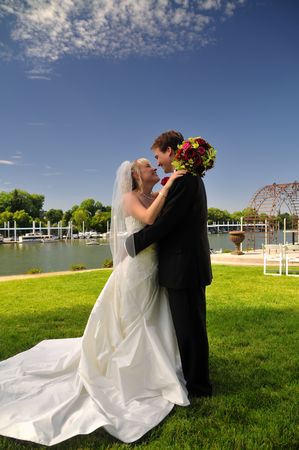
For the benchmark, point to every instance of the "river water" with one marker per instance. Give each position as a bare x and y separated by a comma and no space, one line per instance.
61,255
51,257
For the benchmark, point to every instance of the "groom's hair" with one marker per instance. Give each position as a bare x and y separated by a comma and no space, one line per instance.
169,138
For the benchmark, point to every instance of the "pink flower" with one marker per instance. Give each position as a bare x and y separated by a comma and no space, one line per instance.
186,145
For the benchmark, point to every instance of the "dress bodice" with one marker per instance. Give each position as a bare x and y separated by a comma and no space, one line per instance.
133,225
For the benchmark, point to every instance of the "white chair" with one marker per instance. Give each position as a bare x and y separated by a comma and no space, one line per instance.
273,253
291,256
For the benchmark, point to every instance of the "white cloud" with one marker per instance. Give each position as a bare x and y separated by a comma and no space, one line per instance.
38,77
51,174
210,4
47,31
231,6
5,162
5,52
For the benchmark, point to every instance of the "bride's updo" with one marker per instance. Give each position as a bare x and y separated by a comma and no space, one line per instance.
136,175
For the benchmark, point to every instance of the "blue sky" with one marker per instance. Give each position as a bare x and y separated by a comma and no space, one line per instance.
86,85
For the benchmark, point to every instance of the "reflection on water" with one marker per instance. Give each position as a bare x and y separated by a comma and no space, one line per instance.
51,257
251,241
61,255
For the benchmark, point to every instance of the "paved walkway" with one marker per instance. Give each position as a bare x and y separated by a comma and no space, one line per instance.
252,258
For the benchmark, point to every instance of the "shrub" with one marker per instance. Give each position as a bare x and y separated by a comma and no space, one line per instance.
78,267
107,263
33,270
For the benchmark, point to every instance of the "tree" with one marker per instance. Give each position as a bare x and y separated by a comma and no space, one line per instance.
91,206
18,200
79,216
37,202
6,216
4,201
236,216
99,222
250,212
289,220
218,215
22,218
54,215
67,217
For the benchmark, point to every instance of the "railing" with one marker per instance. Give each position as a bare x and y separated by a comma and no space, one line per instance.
228,226
14,231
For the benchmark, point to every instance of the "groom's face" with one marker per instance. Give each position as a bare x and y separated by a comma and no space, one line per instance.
164,159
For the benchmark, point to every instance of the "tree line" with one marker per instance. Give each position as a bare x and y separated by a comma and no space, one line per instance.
219,215
24,208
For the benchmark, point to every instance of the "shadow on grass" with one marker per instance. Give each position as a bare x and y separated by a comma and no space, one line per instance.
20,332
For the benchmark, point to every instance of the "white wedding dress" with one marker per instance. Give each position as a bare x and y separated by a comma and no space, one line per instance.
124,374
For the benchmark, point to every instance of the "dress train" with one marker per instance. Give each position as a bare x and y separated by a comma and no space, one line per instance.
124,374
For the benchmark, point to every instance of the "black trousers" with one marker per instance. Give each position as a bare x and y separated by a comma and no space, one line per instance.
188,309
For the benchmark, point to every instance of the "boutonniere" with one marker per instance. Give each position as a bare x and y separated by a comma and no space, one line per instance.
195,155
164,180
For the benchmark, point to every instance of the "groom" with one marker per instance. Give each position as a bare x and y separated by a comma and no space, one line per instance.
184,262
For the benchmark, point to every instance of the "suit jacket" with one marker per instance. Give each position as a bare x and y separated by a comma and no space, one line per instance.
180,233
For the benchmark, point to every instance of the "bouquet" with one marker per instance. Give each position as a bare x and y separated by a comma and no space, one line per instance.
195,155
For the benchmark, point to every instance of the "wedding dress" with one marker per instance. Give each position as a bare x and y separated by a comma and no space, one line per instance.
124,374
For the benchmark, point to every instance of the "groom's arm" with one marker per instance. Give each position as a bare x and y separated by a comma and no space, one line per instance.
180,199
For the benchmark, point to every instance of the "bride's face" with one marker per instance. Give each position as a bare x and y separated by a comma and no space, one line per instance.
148,174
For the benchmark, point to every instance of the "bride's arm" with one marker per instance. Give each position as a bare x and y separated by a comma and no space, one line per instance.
148,215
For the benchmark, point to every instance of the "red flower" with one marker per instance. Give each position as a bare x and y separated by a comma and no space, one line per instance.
179,153
201,141
190,153
202,150
195,155
164,180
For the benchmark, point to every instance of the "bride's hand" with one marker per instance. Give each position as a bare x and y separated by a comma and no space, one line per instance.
174,176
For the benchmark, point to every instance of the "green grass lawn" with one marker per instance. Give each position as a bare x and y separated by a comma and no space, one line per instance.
253,332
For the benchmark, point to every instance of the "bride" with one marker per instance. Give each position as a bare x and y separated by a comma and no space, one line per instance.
125,373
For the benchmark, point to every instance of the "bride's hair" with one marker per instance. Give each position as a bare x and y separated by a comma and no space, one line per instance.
136,175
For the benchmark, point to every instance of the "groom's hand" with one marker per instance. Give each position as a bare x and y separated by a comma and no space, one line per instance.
129,245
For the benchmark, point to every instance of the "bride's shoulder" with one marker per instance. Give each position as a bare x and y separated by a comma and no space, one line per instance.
129,199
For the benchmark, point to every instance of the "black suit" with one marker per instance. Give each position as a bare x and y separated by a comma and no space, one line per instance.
184,269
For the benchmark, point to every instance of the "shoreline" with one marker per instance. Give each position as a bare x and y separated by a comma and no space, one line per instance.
251,258
26,276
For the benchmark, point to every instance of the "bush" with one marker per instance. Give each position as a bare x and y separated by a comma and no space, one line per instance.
107,263
78,267
33,270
